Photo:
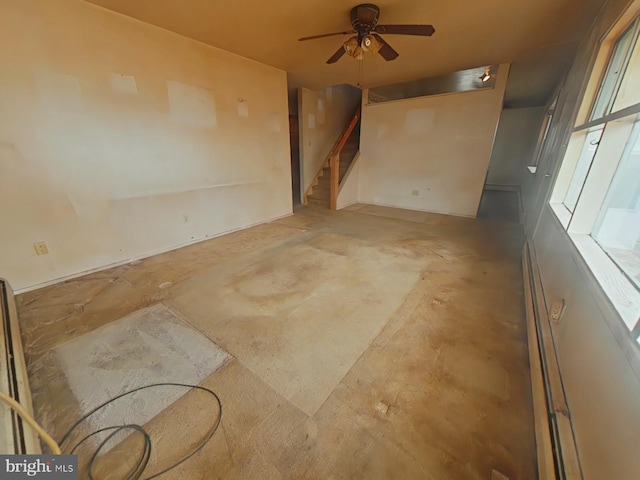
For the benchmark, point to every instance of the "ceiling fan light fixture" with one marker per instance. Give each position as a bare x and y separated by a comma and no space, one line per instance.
371,44
486,76
351,45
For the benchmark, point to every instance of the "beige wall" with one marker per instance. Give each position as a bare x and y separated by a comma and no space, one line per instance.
599,361
439,146
515,145
119,139
323,116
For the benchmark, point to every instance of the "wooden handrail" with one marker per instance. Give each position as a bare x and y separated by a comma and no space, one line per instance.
346,134
335,159
329,162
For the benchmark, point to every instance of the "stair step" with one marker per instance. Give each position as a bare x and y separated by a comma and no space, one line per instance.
320,193
318,201
321,203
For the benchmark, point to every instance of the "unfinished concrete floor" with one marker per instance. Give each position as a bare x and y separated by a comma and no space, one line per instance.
365,343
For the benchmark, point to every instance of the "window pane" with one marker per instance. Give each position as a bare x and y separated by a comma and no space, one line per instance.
615,71
618,226
582,167
629,92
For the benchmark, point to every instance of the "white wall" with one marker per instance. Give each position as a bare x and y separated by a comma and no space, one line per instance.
439,146
515,145
598,359
119,139
323,116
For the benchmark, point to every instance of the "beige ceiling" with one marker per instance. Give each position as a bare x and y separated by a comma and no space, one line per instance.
468,33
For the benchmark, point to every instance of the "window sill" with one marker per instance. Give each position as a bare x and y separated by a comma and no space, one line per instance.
564,216
622,293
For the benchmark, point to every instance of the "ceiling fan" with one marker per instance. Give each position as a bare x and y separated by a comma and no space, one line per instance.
364,20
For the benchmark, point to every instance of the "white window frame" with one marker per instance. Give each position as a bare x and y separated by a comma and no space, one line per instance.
580,223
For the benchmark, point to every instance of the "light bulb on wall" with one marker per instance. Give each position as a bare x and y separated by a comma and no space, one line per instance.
486,76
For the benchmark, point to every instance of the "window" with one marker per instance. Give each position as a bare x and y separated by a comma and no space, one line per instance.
617,228
589,149
597,191
615,73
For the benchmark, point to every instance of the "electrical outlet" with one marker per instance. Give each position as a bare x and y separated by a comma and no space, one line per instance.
556,310
41,248
415,193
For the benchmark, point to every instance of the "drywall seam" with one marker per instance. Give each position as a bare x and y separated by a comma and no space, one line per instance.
143,256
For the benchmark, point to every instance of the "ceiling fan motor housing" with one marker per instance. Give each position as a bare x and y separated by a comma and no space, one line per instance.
364,18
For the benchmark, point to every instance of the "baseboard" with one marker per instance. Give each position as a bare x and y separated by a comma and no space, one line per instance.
418,210
556,448
141,257
348,205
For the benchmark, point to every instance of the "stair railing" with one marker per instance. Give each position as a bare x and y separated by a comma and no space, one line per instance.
334,160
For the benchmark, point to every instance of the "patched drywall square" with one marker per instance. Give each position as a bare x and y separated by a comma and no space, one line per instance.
191,105
243,108
59,91
419,120
328,93
273,123
124,84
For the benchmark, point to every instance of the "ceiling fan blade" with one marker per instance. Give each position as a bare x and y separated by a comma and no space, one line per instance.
386,51
337,56
422,30
325,35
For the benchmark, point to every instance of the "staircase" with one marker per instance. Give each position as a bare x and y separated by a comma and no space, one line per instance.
349,151
321,192
324,190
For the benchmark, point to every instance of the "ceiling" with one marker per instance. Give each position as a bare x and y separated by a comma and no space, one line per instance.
468,34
